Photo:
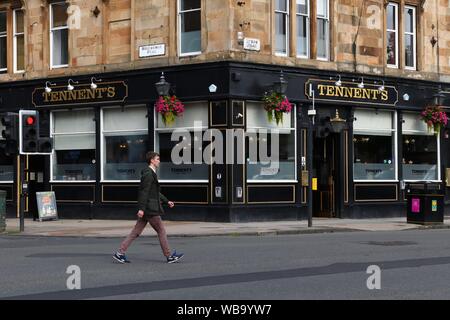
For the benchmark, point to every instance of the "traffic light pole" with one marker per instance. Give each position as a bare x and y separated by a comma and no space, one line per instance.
22,194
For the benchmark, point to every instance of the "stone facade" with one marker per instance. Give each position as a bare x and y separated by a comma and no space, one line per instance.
105,35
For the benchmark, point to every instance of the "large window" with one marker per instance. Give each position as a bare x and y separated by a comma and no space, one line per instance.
259,135
3,42
189,27
420,150
6,163
392,35
410,37
281,27
303,28
192,123
73,157
125,143
323,33
374,145
19,41
59,35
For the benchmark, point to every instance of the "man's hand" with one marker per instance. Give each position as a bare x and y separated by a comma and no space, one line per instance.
140,213
171,204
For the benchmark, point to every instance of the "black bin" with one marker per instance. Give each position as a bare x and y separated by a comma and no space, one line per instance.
425,203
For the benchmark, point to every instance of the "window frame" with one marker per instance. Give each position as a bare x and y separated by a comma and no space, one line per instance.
287,25
52,135
51,38
438,154
4,34
327,40
15,35
396,31
394,132
308,30
293,128
180,12
157,130
414,34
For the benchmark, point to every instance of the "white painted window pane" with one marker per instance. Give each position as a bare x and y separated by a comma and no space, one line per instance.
302,6
74,142
73,121
371,121
131,119
280,33
391,17
413,124
409,20
193,112
322,8
281,5
257,117
60,47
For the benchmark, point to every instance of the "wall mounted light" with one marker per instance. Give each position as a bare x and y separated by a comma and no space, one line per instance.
162,87
337,123
338,82
212,88
47,88
382,88
93,84
280,85
361,84
69,86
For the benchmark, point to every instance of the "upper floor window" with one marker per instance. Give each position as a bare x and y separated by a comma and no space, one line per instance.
410,37
59,35
281,27
3,42
323,32
189,27
303,28
392,35
19,41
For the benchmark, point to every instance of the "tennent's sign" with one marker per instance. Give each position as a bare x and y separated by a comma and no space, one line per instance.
349,92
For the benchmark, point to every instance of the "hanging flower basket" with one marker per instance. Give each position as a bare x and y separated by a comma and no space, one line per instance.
435,118
169,107
275,105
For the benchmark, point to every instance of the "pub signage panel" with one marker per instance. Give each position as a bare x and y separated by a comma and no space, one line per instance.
106,92
349,92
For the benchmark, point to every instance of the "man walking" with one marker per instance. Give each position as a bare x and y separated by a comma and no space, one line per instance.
149,211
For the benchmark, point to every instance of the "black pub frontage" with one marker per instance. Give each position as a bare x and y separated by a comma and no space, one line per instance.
102,127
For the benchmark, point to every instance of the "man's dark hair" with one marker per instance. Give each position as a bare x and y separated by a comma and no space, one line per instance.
151,155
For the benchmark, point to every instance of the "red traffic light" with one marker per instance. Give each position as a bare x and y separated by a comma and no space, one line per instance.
30,120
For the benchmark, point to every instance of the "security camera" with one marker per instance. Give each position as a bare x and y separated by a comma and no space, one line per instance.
212,88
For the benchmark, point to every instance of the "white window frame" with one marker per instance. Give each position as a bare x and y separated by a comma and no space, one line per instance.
308,30
51,38
180,12
292,128
327,40
5,35
438,162
190,129
102,142
15,35
286,24
396,16
414,34
52,135
394,132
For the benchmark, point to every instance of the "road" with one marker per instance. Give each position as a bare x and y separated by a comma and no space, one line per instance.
413,265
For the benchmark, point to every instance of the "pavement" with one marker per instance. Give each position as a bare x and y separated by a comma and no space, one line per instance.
121,228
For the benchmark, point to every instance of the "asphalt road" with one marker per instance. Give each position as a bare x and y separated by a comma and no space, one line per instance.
413,265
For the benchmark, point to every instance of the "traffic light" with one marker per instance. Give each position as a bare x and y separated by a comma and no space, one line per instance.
28,131
10,132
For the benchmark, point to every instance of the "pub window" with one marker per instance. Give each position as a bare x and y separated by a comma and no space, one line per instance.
323,32
19,41
124,143
420,159
303,28
3,42
189,15
281,27
6,163
191,126
392,35
282,169
59,35
374,145
73,157
410,37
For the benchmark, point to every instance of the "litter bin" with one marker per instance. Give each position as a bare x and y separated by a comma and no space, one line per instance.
425,203
2,210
